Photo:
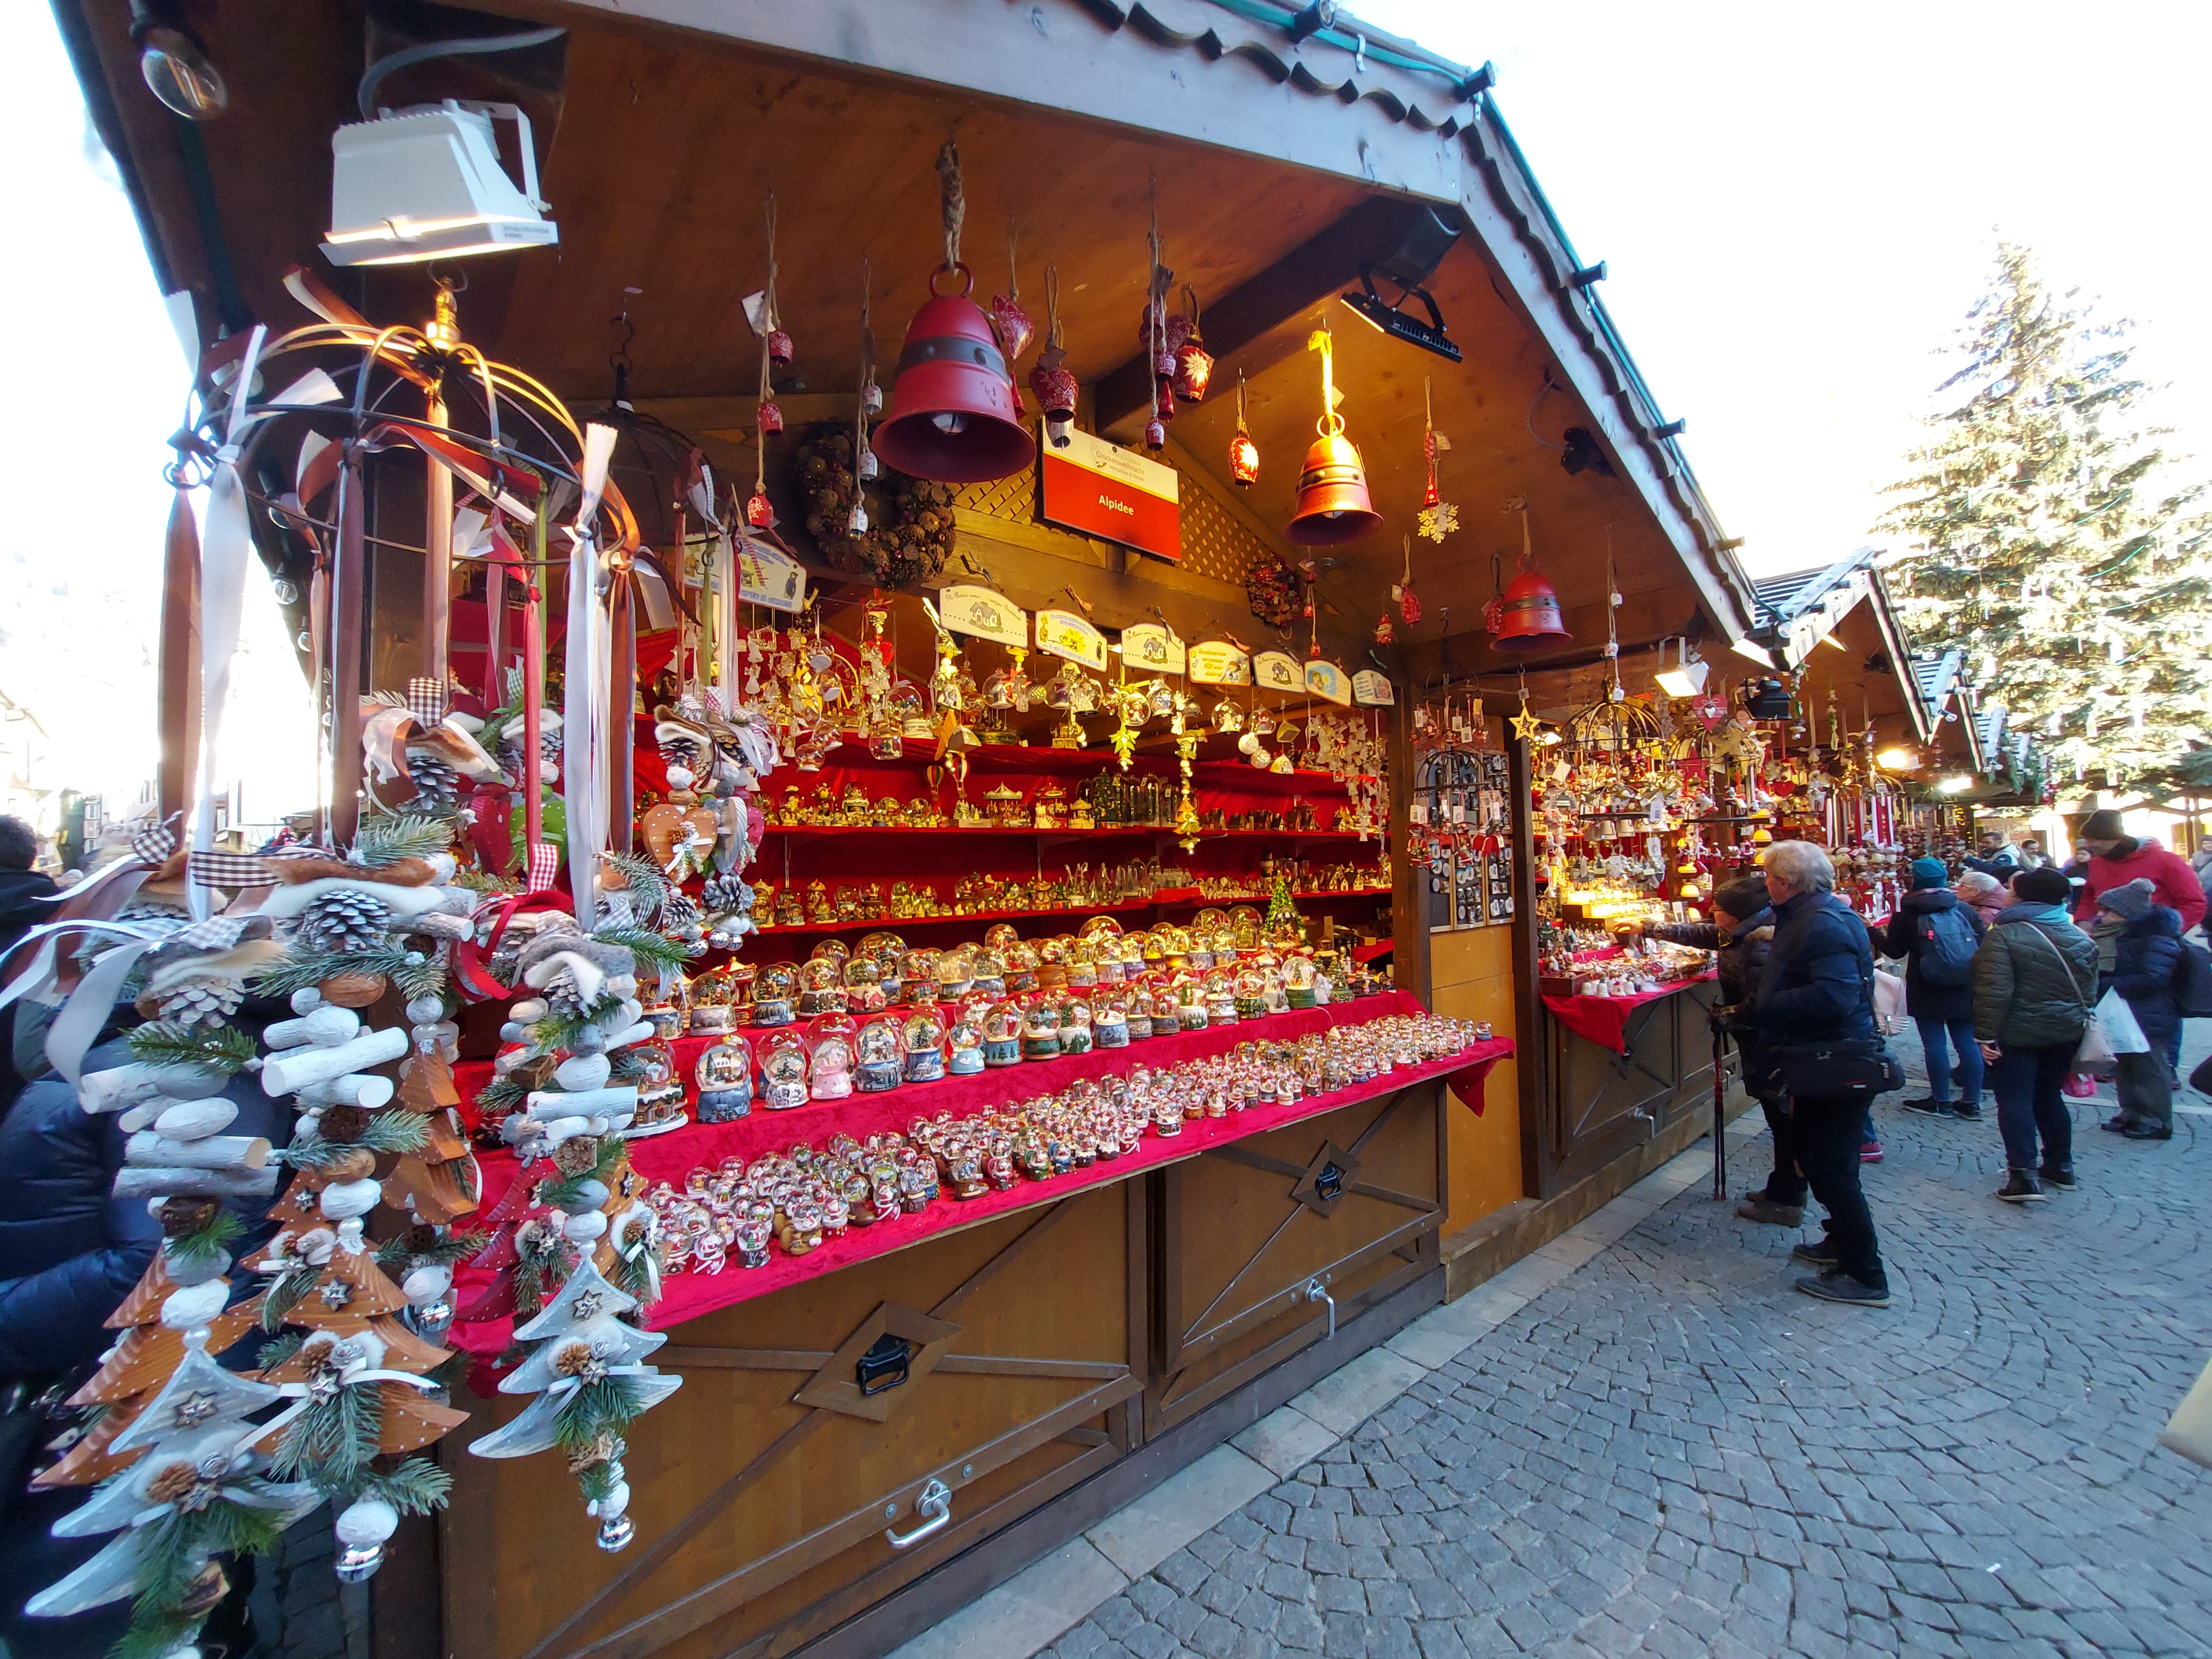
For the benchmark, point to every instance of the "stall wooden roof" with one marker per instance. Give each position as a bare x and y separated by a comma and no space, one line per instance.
1280,166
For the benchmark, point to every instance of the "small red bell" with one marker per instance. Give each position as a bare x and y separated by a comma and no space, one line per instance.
1194,369
1384,633
1527,617
1054,386
779,346
1334,506
1016,330
1156,435
952,414
1243,458
758,513
771,419
1163,404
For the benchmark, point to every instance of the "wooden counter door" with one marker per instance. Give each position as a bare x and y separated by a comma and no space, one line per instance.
1353,1199
763,1488
1600,1105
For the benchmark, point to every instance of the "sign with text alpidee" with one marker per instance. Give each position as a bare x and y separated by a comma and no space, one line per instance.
1370,690
767,577
1104,490
1216,662
984,614
1277,671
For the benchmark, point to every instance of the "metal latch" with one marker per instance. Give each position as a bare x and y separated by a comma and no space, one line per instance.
935,1503
1328,1185
1315,1291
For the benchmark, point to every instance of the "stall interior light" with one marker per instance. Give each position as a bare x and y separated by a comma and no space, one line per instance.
1958,783
1393,320
1898,760
426,183
1687,679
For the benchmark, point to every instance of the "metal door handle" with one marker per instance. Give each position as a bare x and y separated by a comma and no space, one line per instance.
936,1503
1316,1291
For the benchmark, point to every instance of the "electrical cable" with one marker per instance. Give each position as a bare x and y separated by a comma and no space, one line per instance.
408,56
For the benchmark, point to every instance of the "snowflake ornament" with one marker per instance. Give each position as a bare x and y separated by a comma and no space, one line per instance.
1439,521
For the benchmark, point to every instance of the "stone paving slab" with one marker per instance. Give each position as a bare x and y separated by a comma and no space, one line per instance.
1645,1441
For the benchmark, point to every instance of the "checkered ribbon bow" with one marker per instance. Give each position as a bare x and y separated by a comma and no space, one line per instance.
154,844
545,865
234,872
428,700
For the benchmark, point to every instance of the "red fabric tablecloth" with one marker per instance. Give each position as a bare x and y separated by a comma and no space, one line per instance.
671,1156
1604,1020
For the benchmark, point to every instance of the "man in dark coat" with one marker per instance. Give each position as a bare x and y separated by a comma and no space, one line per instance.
2146,967
1741,931
69,1252
23,890
1931,928
1819,988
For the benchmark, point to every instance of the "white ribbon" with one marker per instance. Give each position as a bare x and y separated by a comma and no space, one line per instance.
725,577
566,1386
226,549
585,700
642,1246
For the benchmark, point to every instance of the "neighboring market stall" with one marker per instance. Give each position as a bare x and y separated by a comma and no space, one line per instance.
912,842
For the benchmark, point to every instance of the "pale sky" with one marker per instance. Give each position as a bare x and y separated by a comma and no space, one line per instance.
1796,205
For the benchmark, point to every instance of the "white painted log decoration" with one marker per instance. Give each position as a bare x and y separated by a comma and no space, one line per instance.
325,1027
126,1086
369,1092
284,1074
193,1120
585,1102
163,1181
147,1148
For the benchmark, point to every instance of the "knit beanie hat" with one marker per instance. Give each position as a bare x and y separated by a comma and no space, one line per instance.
1929,872
2130,901
2103,826
1743,899
2047,885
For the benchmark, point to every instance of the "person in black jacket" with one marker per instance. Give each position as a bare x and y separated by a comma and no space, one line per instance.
23,890
1819,988
1943,1008
1742,931
69,1252
2145,964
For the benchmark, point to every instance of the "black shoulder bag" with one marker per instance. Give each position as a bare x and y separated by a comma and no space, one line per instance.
1844,1068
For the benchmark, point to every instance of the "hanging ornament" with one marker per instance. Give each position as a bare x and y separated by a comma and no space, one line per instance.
871,394
1384,633
1526,616
1016,330
1193,362
758,512
1051,380
1244,453
1438,518
1527,727
1334,506
1409,603
953,409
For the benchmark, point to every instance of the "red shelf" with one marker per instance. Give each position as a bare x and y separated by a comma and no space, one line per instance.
893,923
1019,830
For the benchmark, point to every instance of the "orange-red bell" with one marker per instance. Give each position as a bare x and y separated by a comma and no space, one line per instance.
952,414
1333,505
1527,617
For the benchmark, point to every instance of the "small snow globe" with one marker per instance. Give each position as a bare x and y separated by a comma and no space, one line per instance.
725,1076
923,1039
1002,1035
783,1070
830,1073
1041,1030
881,1052
965,1044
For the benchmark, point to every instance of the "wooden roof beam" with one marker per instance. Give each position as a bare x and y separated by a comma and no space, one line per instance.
1315,271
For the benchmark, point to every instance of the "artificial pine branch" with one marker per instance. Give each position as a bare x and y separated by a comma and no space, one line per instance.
651,949
382,842
415,1487
646,884
283,1296
204,1242
396,1131
331,1441
165,1042
606,1405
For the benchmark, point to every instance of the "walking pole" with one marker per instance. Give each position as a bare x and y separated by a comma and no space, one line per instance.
1720,1143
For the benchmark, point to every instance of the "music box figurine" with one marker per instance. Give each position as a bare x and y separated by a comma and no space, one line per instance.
923,1039
964,1044
829,1068
775,988
1002,1034
783,1070
881,1052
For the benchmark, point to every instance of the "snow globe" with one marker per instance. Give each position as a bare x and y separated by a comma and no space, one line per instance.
965,1041
881,1049
1002,1035
783,1070
923,1039
830,1073
725,1076
1041,1030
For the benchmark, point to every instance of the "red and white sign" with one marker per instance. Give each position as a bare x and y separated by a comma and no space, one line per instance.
1116,493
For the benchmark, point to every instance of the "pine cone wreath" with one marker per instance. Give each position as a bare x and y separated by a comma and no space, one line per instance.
342,923
201,1001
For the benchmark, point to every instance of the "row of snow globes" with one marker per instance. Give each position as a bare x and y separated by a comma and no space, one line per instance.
835,1056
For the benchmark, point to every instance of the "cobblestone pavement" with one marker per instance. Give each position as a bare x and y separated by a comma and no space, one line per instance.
1671,1452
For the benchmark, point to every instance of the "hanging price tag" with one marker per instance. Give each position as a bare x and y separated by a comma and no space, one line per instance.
1150,648
1215,662
985,614
1063,634
1277,671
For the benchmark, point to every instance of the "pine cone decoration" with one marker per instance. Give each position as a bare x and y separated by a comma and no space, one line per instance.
342,923
201,1001
437,784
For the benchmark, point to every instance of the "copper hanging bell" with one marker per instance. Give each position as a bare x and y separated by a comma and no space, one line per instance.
1333,505
952,417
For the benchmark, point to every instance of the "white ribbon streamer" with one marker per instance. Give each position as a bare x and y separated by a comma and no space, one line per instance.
226,549
586,694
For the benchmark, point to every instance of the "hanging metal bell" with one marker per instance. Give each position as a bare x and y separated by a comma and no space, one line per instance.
1333,505
952,414
1527,617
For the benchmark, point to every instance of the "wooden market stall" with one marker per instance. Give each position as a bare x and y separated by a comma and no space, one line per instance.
860,1430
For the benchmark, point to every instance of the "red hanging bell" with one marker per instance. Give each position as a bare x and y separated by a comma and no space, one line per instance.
758,513
1527,617
1054,386
1016,330
1156,435
779,346
952,416
1334,506
771,419
1243,457
1163,404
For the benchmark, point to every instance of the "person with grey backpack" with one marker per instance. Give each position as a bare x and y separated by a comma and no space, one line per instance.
2035,984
